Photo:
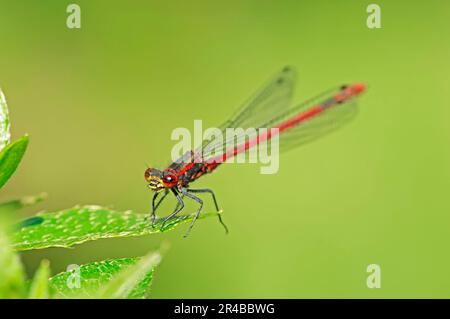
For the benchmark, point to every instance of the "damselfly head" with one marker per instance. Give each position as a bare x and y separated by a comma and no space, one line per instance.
154,177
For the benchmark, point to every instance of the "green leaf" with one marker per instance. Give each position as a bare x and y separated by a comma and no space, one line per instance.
87,280
5,135
80,224
39,286
12,277
25,201
132,282
10,158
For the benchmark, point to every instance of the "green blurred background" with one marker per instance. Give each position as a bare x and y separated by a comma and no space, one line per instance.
100,103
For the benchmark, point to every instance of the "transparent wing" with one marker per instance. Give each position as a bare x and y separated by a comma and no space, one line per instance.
273,98
216,148
318,126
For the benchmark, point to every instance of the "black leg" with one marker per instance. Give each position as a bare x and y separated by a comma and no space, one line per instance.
178,203
153,215
178,208
207,190
198,200
155,207
166,192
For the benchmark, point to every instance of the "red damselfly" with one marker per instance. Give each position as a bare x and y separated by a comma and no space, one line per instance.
267,108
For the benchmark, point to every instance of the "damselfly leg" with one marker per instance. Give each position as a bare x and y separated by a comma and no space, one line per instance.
179,194
155,206
178,203
198,200
178,208
207,190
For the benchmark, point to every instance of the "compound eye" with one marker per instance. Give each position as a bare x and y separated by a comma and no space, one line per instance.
170,180
147,174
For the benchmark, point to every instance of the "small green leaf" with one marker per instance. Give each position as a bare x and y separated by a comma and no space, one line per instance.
87,280
39,286
142,289
80,224
5,135
132,282
12,277
25,201
10,158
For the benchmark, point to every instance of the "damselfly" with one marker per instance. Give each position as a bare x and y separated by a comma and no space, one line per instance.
267,108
